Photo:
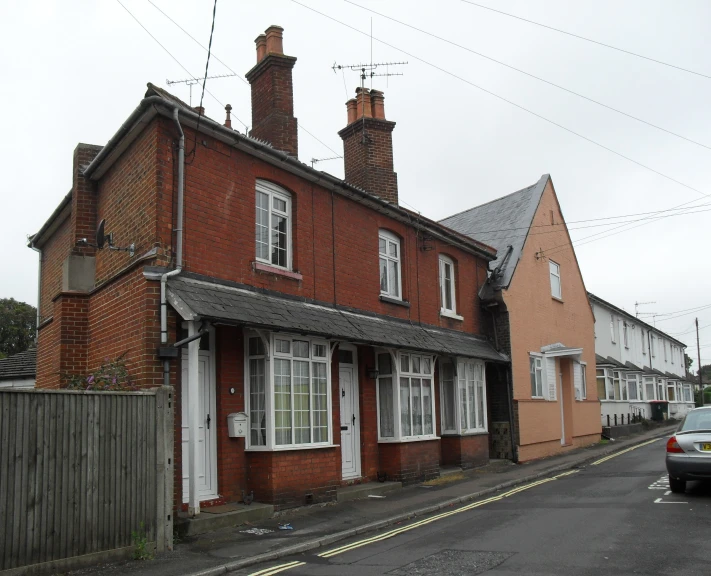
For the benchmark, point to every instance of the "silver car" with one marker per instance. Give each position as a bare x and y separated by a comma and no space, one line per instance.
689,450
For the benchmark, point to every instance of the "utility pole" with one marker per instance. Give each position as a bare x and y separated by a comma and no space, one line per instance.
698,352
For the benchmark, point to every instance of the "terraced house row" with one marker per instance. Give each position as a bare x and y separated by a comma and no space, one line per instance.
316,333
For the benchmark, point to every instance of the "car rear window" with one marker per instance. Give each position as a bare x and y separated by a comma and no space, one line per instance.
700,420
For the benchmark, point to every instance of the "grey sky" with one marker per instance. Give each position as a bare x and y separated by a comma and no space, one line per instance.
74,70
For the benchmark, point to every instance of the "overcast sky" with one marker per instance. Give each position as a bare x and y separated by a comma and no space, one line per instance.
74,70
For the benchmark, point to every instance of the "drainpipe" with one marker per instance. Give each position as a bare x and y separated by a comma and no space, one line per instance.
39,289
178,249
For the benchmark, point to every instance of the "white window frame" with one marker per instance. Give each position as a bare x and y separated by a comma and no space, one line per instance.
688,393
649,381
272,191
464,383
661,389
535,368
664,345
632,382
671,384
270,356
396,357
653,345
582,393
644,342
390,238
625,335
451,312
612,330
554,272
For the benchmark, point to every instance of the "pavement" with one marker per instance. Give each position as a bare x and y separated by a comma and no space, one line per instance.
315,527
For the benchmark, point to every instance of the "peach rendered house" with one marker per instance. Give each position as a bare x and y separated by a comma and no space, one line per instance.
539,315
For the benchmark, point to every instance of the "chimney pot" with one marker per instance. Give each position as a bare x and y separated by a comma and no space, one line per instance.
200,110
377,99
351,109
228,120
261,42
275,42
364,107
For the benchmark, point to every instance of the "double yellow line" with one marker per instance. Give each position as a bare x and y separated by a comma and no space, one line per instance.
396,531
606,458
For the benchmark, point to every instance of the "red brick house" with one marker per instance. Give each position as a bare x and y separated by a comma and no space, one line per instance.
339,323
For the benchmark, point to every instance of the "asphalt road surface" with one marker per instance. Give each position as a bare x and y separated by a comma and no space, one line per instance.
616,516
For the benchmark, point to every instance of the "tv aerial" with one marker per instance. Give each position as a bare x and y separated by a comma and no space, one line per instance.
192,81
104,239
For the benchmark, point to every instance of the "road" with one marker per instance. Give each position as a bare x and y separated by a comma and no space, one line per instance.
612,517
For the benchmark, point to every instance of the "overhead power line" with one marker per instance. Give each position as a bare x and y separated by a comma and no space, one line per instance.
677,311
569,228
568,90
589,40
173,57
503,99
232,71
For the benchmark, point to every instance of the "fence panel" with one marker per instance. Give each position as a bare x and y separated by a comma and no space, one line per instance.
81,470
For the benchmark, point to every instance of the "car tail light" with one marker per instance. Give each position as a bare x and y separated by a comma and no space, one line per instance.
673,446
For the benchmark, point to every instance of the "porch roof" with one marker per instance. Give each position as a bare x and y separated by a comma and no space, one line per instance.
196,297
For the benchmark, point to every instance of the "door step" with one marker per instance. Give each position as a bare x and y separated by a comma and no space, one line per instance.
233,515
365,490
447,470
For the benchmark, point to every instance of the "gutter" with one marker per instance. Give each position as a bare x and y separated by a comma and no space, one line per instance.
264,151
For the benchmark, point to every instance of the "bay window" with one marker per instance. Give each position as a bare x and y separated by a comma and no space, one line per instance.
288,391
632,391
648,388
463,395
688,393
405,396
273,225
389,257
671,392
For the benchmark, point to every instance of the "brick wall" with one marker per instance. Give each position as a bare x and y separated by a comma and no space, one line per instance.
410,462
465,451
287,478
83,199
54,252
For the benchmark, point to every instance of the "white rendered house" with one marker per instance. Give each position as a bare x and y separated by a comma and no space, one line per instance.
637,364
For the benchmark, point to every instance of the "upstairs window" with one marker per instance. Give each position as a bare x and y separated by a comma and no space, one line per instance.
625,334
644,342
447,286
555,279
273,225
664,345
653,346
612,329
389,252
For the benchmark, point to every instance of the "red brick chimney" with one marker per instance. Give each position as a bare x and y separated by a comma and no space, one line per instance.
273,94
368,145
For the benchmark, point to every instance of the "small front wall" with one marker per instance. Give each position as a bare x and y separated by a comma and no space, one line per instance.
410,462
293,478
465,451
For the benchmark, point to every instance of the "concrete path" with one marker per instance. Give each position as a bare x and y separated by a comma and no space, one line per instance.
316,527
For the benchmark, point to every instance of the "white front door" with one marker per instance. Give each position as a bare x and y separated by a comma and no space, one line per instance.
207,462
350,422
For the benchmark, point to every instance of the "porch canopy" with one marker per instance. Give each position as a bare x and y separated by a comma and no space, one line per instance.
201,298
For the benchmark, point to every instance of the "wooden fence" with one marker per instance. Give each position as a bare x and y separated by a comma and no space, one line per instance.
80,471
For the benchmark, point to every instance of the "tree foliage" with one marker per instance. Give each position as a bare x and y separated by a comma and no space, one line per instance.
689,361
18,323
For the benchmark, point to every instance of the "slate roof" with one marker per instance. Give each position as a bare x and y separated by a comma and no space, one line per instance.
502,223
609,361
243,305
21,365
633,367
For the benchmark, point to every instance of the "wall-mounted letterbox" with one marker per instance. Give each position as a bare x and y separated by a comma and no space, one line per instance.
237,425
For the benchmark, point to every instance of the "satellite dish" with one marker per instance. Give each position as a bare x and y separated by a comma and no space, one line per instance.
100,236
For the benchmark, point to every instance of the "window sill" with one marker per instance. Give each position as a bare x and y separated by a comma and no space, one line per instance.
391,300
267,269
459,434
290,448
407,440
557,299
450,314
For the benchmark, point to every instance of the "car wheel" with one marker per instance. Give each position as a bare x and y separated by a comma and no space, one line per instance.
677,486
